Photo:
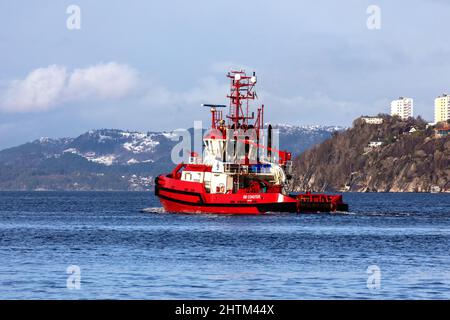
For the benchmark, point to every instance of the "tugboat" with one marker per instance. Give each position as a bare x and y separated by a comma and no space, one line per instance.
240,171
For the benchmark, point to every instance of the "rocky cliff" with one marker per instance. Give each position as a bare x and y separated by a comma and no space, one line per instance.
395,156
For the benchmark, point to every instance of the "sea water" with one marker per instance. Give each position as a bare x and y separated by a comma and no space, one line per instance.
122,245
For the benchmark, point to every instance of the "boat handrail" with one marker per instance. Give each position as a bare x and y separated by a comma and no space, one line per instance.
261,168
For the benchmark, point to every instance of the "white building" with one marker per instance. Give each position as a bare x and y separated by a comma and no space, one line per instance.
375,144
372,145
372,120
442,108
402,107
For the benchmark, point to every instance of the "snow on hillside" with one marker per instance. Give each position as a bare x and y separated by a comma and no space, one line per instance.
113,146
107,160
289,128
140,142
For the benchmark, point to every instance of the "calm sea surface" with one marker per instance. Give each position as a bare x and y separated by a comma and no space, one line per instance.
124,252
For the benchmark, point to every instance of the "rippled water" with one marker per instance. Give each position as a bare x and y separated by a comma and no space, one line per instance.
127,253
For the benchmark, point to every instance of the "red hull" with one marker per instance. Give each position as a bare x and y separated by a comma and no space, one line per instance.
190,197
171,206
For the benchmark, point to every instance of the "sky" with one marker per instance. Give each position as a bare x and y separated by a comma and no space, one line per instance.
148,65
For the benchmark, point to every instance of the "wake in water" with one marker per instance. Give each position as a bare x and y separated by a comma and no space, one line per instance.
377,213
154,210
162,210
392,214
214,215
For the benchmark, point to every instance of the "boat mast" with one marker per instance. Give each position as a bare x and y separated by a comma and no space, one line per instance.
241,93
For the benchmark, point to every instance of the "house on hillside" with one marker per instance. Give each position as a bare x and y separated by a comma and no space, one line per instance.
442,129
373,145
372,120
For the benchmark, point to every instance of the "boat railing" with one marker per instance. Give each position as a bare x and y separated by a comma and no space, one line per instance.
235,168
232,168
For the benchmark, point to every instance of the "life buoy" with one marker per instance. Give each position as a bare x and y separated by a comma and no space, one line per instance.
222,188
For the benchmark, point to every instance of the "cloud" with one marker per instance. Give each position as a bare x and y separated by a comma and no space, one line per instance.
46,88
295,109
207,90
105,81
210,88
222,67
37,92
305,109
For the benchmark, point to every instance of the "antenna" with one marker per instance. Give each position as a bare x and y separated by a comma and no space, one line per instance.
216,115
213,105
239,114
242,91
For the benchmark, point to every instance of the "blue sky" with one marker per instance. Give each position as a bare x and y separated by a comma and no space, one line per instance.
148,65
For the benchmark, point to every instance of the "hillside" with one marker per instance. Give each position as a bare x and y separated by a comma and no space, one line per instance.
111,159
104,159
398,161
